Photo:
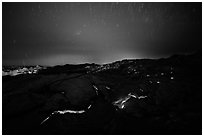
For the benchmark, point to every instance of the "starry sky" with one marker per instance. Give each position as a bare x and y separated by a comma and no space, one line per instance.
56,33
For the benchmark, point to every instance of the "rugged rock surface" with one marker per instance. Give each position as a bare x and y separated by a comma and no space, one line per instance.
161,96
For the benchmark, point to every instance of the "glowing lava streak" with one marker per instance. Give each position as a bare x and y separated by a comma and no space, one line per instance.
64,112
121,102
96,89
89,106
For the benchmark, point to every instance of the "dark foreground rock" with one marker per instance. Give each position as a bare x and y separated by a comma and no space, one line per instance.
126,97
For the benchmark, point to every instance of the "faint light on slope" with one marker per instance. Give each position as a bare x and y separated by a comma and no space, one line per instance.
141,90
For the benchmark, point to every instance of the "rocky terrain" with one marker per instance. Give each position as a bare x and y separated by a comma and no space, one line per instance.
142,97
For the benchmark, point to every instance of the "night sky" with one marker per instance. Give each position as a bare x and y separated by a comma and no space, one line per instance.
73,33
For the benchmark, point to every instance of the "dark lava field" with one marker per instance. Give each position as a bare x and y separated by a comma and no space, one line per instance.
128,97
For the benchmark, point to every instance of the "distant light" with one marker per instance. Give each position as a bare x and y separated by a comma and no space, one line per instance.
107,88
95,87
172,77
141,89
158,82
89,106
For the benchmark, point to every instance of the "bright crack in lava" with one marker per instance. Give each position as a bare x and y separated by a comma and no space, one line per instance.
64,112
121,102
96,89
